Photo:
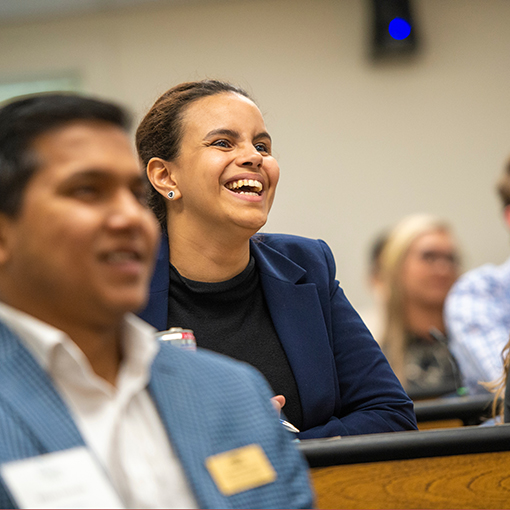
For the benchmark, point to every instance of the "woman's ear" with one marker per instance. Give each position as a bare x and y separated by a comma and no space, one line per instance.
161,175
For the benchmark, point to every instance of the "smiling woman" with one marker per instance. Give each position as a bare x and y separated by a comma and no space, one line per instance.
270,300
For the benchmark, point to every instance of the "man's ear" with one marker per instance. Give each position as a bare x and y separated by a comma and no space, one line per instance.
506,213
162,176
5,244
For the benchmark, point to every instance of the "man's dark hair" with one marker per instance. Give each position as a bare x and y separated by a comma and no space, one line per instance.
503,186
25,119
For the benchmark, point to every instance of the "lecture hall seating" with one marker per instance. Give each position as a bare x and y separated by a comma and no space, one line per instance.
453,412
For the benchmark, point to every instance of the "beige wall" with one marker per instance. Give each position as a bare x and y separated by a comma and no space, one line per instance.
359,145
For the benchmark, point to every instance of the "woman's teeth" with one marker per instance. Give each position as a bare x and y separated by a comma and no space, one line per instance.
253,187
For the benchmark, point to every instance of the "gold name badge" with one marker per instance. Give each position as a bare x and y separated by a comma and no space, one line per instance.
240,469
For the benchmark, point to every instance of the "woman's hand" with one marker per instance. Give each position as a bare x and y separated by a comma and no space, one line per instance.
278,402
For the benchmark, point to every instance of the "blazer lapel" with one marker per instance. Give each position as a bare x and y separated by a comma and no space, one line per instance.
180,405
29,392
296,313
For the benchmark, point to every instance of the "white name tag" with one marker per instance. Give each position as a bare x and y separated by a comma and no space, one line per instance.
66,479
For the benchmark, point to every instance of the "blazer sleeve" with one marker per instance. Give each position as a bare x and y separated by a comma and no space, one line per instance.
371,398
211,404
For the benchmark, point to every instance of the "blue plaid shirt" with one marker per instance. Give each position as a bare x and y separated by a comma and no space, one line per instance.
478,321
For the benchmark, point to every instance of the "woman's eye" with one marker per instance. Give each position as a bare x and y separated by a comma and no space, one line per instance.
262,147
222,143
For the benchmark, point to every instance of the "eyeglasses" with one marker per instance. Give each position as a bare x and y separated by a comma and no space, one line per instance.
433,257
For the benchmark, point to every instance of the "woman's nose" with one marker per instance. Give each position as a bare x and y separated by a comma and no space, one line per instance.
250,157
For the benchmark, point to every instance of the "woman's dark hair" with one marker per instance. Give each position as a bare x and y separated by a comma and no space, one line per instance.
159,135
25,119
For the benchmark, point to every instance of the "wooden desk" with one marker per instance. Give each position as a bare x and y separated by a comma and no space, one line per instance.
455,468
479,480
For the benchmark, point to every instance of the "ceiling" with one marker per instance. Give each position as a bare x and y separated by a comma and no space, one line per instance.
14,11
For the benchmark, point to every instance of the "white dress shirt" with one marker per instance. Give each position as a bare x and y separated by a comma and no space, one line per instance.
120,424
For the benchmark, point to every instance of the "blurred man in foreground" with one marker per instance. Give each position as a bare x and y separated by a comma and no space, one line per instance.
160,428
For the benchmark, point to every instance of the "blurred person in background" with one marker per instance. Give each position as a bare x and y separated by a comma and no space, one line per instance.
501,389
373,315
478,313
418,265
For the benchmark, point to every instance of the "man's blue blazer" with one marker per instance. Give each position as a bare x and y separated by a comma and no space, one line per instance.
345,383
208,404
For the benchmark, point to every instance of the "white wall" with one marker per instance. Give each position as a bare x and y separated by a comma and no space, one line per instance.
360,145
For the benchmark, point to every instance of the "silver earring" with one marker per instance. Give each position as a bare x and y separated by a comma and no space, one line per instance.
171,195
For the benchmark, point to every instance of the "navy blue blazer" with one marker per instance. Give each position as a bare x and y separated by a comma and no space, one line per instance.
208,403
345,383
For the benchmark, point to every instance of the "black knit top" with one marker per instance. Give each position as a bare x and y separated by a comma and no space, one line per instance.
232,318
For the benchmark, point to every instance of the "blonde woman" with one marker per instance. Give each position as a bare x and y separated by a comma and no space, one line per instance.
419,264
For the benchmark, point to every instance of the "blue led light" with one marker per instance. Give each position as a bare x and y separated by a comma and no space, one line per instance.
399,28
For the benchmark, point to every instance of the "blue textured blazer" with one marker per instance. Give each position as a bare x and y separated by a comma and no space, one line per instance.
208,404
345,383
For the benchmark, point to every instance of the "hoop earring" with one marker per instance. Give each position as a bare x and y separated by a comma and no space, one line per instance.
171,195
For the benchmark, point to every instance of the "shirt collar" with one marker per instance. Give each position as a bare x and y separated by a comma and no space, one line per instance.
37,336
41,339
